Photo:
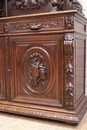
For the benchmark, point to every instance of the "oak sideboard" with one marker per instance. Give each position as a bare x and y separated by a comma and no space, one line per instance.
42,65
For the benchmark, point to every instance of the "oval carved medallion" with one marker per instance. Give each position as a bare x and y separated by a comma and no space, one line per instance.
36,70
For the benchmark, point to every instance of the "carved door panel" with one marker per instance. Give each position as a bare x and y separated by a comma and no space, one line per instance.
2,70
37,69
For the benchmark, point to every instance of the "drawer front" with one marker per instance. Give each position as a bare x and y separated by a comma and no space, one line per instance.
31,26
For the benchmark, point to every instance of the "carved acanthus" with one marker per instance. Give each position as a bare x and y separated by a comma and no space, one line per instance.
69,21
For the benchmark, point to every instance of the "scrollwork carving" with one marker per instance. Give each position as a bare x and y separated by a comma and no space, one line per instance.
68,45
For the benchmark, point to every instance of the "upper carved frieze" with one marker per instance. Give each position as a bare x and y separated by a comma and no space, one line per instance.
29,4
19,7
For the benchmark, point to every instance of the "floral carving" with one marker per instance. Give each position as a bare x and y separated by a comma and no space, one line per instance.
37,69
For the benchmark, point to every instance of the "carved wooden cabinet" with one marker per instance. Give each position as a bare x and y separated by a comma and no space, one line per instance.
42,65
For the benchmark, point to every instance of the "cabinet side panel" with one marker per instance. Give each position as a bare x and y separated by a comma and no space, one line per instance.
79,68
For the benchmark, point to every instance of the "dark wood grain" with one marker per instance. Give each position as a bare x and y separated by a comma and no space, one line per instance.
42,65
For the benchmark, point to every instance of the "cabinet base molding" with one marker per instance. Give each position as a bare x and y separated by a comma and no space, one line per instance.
72,117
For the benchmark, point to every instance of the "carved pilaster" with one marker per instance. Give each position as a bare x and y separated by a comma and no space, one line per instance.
69,86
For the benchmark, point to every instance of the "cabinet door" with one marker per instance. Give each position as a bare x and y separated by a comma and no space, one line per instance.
37,69
2,69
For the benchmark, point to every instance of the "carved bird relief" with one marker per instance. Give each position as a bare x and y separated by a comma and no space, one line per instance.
37,71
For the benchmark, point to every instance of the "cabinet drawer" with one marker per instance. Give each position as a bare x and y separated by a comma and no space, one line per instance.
36,25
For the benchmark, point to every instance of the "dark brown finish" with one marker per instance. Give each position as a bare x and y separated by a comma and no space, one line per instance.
23,7
42,65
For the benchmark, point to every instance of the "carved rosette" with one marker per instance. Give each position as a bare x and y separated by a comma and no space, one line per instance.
69,71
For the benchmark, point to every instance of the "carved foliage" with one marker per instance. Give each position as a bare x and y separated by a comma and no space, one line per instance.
36,25
68,45
68,49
